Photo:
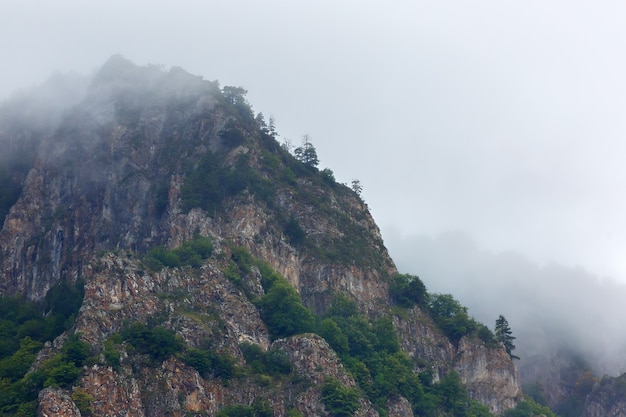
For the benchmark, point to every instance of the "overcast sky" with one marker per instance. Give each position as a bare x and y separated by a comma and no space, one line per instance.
502,120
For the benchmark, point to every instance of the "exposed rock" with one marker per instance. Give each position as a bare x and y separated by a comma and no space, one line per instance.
400,407
422,340
608,398
108,185
112,392
312,357
54,402
488,374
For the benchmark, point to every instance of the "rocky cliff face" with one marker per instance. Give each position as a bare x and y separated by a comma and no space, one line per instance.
118,175
608,398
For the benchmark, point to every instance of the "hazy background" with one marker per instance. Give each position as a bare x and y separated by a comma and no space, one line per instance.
488,135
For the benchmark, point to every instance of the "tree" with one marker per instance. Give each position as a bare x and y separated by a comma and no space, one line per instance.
307,153
503,335
235,95
357,187
408,290
283,312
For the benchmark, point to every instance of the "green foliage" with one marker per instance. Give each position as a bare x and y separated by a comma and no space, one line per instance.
282,311
339,400
64,368
236,97
190,253
328,176
210,183
535,392
371,352
341,306
454,399
274,362
83,401
15,366
268,275
280,307
528,408
239,269
503,334
23,329
111,351
157,342
209,362
307,153
62,303
294,232
408,290
451,317
232,135
486,335
574,405
259,408
332,333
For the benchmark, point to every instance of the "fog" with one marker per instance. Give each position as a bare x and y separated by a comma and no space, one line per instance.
550,308
488,135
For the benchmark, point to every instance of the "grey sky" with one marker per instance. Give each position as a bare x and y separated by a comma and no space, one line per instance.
504,120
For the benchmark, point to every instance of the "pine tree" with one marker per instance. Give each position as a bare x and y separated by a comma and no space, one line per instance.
307,153
503,335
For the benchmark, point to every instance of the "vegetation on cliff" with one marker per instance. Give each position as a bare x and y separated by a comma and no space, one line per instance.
177,207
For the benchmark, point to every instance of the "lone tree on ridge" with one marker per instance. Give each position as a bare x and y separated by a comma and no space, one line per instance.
503,335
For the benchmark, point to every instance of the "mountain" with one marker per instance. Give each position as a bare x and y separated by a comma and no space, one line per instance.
188,264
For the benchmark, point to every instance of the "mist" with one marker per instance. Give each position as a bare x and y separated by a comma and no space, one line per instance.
504,120
551,308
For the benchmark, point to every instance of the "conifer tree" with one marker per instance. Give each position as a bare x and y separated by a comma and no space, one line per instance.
504,335
307,153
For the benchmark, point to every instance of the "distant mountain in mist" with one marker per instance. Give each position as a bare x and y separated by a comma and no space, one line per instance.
568,322
161,253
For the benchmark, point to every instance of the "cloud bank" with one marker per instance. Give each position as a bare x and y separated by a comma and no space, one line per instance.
550,308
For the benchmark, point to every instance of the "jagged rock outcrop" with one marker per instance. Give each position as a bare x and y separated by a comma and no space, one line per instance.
608,398
489,374
114,178
56,403
311,356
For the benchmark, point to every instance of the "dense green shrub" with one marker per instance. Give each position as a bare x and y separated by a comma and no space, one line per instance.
332,333
280,307
328,176
339,400
23,329
232,135
451,317
210,183
454,398
274,362
15,366
528,408
111,352
408,290
294,233
282,311
83,402
209,362
190,253
370,351
157,342
259,408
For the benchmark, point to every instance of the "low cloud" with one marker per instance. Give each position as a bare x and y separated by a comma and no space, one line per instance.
551,308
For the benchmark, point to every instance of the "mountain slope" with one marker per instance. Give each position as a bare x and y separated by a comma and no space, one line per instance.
192,229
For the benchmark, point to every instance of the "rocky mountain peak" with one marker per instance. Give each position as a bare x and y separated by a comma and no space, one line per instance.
186,225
